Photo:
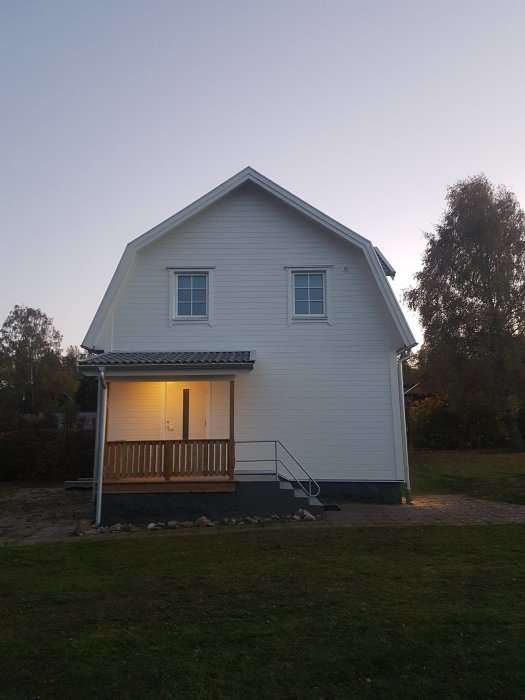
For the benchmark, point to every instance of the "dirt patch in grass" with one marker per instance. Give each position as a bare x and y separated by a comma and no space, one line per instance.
38,513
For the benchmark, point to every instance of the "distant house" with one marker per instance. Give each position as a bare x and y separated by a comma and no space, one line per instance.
249,353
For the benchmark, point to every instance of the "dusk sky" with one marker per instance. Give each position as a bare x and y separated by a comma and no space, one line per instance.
118,113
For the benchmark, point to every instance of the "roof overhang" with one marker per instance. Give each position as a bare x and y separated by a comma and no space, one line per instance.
183,364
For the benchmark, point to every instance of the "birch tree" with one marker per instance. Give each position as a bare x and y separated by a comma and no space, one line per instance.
470,295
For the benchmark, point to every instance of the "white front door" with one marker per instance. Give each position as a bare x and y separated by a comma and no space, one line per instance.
186,410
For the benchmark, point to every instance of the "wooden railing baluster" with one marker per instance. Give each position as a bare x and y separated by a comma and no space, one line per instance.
148,460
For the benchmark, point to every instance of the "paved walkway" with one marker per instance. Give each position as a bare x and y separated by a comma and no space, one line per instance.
49,514
428,510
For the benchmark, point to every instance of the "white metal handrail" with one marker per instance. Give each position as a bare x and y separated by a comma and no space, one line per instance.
313,487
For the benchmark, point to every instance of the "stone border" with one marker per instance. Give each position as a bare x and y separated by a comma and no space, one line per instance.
84,527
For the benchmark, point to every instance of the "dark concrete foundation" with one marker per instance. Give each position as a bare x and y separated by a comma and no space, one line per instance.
264,499
360,492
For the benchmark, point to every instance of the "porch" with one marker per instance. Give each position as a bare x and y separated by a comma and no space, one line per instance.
170,436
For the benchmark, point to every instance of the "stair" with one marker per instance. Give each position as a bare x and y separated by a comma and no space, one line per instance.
266,495
285,483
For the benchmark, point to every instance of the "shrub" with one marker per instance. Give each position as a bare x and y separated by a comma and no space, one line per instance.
46,454
433,425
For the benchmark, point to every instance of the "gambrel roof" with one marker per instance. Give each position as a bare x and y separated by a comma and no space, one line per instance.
377,262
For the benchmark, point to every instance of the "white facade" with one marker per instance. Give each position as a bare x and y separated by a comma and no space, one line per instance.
328,389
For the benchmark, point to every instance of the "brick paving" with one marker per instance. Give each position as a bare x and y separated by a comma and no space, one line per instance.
427,510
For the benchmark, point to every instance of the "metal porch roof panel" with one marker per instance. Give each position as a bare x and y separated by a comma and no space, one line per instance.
180,358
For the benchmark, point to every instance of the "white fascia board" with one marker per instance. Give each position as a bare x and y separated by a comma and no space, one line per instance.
354,238
112,292
128,257
306,209
163,374
246,175
388,295
191,210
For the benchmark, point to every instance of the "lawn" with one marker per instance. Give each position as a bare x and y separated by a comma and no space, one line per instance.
395,613
497,476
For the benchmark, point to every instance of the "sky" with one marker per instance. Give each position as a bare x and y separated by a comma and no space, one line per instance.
115,114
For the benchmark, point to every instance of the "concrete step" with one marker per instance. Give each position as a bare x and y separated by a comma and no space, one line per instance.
79,484
262,497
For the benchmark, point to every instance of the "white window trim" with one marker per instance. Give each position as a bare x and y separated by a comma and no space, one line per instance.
326,317
173,273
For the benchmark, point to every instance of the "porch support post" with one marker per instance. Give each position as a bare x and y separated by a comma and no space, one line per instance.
101,443
231,451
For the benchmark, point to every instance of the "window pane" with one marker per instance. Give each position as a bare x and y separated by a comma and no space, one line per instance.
301,281
301,307
183,309
301,294
199,281
316,280
199,309
316,307
316,294
199,295
184,281
184,295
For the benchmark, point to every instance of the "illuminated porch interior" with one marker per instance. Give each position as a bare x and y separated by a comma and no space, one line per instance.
166,436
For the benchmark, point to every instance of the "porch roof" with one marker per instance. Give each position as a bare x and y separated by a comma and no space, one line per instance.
183,359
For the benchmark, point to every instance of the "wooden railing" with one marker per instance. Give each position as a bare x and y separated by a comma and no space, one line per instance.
155,460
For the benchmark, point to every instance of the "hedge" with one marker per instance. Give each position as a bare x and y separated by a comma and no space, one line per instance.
433,425
46,454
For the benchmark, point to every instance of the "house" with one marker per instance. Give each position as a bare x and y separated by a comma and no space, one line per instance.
249,352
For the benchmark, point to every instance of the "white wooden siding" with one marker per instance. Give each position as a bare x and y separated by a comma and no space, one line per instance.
139,410
219,411
324,390
135,411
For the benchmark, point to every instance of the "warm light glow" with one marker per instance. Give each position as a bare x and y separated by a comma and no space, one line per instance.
154,410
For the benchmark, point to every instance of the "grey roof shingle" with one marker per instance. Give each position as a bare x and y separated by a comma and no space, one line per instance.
185,358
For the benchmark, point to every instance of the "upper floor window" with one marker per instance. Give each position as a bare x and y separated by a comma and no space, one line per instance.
190,294
309,293
309,296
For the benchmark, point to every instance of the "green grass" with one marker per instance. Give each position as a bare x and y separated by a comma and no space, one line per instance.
396,613
497,476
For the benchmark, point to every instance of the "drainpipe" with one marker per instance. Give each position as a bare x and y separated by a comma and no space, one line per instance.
103,400
403,356
97,440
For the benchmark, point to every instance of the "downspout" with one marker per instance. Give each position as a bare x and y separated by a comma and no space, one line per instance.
97,440
103,397
403,356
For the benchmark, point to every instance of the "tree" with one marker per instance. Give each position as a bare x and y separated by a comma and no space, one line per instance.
87,390
470,295
33,374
